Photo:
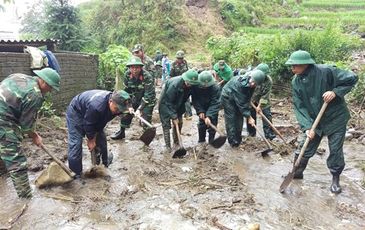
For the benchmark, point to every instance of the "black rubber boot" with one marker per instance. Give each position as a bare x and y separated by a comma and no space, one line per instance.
301,167
166,136
202,133
119,135
335,186
211,137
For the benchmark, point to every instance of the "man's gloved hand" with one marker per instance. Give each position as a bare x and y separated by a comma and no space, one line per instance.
251,121
137,113
310,134
207,121
131,110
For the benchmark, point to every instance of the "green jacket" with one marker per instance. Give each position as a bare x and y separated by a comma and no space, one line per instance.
178,69
226,74
206,100
173,98
141,89
308,89
262,93
239,91
20,101
149,65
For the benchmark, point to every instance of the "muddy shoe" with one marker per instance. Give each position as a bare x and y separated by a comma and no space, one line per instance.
118,135
110,159
335,186
235,144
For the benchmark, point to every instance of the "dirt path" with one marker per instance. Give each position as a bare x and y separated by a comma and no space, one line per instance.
147,189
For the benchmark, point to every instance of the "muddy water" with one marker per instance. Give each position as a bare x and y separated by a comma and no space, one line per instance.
149,190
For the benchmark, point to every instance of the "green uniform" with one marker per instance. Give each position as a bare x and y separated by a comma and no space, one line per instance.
308,89
172,105
20,100
142,92
224,74
206,100
262,96
177,69
149,66
235,98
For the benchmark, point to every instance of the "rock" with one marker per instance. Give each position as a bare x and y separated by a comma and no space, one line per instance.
255,226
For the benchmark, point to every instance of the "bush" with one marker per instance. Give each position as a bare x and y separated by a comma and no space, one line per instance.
241,49
115,58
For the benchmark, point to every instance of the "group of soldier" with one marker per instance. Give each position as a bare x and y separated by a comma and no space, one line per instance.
21,97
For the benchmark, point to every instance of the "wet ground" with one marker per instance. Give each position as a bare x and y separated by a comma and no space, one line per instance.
209,189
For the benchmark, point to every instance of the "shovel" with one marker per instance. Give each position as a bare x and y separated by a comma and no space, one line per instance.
288,178
60,163
265,152
219,141
149,134
181,151
269,122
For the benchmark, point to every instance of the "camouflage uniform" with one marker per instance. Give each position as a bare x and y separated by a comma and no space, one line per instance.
149,65
262,96
142,93
20,100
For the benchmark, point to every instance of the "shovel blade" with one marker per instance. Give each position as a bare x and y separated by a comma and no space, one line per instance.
218,142
179,153
287,180
148,136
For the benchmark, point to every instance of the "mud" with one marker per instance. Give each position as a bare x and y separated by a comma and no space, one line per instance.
210,188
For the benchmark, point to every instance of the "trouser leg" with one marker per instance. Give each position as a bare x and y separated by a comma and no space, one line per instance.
232,117
101,143
75,138
250,129
268,131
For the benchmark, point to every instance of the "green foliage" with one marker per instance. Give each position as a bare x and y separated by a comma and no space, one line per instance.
115,58
357,94
63,23
241,50
47,109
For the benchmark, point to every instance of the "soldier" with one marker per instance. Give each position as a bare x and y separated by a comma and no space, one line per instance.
158,67
147,61
261,99
206,103
140,85
312,85
222,72
87,115
235,98
172,102
21,97
178,67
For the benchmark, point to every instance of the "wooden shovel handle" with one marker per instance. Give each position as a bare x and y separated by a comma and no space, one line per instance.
262,136
313,128
60,163
216,129
176,124
269,122
143,120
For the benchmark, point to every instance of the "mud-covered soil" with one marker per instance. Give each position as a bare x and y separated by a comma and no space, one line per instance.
208,189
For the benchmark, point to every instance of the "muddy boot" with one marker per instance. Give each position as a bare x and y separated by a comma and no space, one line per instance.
335,186
110,159
301,167
119,135
201,135
166,136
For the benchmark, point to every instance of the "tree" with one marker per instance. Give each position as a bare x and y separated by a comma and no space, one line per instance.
63,23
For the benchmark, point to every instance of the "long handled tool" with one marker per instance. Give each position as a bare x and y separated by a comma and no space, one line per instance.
181,151
149,134
288,178
269,122
265,152
219,141
60,163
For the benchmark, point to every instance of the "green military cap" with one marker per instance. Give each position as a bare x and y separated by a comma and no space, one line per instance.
257,75
206,79
180,54
50,76
264,68
120,97
137,47
134,61
159,63
191,77
300,57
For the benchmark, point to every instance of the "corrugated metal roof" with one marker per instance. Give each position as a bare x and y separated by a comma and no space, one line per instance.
18,45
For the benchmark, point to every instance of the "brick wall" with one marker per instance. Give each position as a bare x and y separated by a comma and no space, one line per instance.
78,73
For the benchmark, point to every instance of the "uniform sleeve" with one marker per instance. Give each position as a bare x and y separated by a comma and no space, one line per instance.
173,70
197,102
243,103
344,81
301,113
149,97
90,120
169,98
214,104
30,107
